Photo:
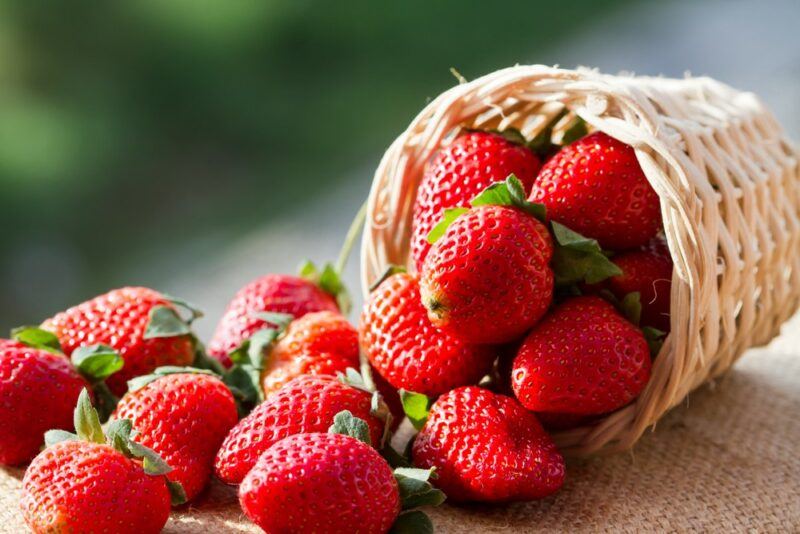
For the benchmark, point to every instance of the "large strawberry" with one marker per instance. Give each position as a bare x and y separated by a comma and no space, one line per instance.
596,187
473,162
275,293
319,343
183,415
486,447
141,324
488,279
92,483
306,404
584,358
38,392
407,350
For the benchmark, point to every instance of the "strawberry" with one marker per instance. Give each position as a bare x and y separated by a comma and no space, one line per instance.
275,293
306,404
319,343
39,390
584,358
95,483
183,415
406,349
596,187
486,447
647,271
487,279
141,324
460,171
321,483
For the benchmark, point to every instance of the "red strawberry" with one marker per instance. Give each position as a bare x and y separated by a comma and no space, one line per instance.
487,279
38,392
647,271
306,404
486,447
584,358
460,171
80,483
183,417
320,343
120,319
277,293
405,348
596,187
321,483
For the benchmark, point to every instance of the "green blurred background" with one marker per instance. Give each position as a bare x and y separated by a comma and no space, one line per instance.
139,140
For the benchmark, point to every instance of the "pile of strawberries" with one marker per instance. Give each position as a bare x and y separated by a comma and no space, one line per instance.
539,296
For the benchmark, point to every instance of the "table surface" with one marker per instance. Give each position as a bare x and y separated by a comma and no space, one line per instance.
727,460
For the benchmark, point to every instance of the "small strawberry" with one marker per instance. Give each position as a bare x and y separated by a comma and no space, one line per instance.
473,162
140,324
488,279
38,392
95,483
405,348
275,293
583,358
596,187
319,343
183,415
306,404
486,447
335,483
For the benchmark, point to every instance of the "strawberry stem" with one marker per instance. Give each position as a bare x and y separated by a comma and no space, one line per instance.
351,237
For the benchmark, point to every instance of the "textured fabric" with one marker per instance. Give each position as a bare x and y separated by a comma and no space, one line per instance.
725,461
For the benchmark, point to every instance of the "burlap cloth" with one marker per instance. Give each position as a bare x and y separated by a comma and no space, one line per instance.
728,460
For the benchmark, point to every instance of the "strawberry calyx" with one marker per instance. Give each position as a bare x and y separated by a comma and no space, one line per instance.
328,279
579,259
416,406
390,271
347,424
141,381
37,338
119,435
378,408
630,306
415,491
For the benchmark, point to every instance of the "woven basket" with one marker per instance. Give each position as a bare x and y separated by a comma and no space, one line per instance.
729,184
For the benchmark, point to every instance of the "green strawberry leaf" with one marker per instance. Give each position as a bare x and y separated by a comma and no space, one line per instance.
631,307
416,489
194,311
394,458
281,321
576,129
450,215
86,420
141,381
416,407
104,401
509,193
390,271
346,423
413,522
118,435
353,378
579,259
655,339
51,437
176,493
203,361
96,362
244,381
36,337
165,322
330,281
152,463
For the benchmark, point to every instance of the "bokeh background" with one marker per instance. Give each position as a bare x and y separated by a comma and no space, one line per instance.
191,145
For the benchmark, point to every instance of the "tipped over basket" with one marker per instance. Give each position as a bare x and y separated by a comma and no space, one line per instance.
729,185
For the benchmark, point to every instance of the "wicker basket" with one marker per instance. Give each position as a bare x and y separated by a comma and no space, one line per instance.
729,184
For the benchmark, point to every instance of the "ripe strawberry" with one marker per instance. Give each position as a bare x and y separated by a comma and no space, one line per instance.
584,358
473,162
38,391
306,404
486,447
122,319
276,293
405,348
596,187
183,417
487,279
647,271
319,343
314,482
93,483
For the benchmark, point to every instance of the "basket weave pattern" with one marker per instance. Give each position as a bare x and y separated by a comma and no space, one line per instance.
729,184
